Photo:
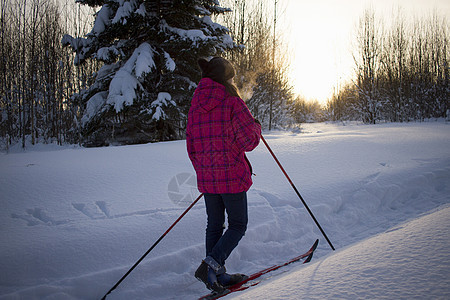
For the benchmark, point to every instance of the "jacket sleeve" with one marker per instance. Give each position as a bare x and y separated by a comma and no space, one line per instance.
247,131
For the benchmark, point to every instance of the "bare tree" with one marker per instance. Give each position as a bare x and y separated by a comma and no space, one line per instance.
262,61
394,60
5,88
367,61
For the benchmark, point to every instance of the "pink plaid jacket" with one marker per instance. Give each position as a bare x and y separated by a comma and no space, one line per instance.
220,130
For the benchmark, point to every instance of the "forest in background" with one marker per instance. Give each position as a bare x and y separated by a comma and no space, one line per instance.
38,77
401,71
47,88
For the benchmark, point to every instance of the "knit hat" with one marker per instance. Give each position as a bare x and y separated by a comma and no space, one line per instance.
218,69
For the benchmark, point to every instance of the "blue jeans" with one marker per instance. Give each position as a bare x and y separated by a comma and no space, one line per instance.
218,245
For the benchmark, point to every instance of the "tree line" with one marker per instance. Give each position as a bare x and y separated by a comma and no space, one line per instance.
38,77
58,90
401,71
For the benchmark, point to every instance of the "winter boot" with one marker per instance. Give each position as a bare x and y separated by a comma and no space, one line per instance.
206,273
227,280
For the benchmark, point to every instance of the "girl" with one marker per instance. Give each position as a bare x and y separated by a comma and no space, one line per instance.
220,130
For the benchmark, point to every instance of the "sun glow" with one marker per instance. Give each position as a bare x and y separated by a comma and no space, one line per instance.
313,80
320,36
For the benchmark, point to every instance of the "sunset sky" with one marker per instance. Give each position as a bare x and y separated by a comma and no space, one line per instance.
320,34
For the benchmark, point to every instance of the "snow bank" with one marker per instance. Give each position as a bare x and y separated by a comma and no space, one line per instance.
409,261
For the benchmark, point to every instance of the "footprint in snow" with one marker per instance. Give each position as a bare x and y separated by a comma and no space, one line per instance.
37,216
97,210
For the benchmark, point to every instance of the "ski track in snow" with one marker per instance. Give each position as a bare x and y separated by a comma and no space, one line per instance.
76,220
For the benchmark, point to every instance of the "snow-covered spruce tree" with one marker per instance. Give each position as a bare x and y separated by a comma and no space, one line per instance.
149,51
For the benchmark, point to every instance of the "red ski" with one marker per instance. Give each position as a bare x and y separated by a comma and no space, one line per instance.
252,280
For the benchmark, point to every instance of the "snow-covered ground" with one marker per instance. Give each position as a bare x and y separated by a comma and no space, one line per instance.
409,261
74,220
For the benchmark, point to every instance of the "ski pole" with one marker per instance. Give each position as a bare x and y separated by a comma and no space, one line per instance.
298,194
151,248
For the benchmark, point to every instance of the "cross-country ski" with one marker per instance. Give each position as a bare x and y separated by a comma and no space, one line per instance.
255,278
